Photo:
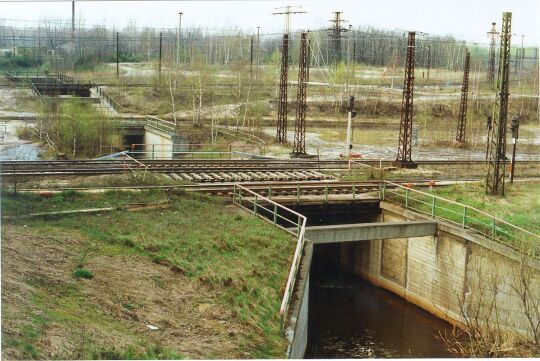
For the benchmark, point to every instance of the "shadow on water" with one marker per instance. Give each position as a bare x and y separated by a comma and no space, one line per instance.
350,318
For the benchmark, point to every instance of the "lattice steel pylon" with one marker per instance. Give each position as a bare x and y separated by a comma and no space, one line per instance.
491,62
335,33
462,117
497,148
299,148
405,127
281,135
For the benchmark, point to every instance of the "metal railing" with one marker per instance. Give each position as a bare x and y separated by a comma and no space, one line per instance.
102,93
265,207
160,124
124,156
461,214
42,135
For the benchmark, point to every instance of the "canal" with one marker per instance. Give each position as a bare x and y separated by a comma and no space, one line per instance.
350,318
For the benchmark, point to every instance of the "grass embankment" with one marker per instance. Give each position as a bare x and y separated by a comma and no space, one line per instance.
209,276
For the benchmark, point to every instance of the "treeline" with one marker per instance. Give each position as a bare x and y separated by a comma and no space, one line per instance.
90,46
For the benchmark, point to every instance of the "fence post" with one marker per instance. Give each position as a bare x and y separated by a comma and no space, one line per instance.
353,190
493,228
464,216
270,191
275,213
234,194
255,205
299,224
407,197
433,207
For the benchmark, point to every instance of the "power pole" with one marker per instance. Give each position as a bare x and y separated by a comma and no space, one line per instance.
299,148
73,22
335,33
520,61
491,65
405,127
258,51
281,135
251,59
159,73
462,117
178,48
117,56
428,61
497,148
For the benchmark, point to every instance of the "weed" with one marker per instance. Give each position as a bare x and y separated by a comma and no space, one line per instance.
82,273
128,306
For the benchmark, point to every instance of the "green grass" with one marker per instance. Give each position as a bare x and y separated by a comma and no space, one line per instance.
520,206
241,256
82,273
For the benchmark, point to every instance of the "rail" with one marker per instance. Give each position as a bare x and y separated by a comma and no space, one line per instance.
243,194
204,150
461,214
160,124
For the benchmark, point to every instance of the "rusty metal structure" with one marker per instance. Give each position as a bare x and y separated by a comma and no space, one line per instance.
299,147
281,135
462,116
405,127
336,34
491,62
497,148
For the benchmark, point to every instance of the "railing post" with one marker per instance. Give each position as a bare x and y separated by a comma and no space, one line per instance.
275,213
383,190
299,224
493,228
270,191
298,193
407,197
464,216
255,205
353,190
234,194
433,207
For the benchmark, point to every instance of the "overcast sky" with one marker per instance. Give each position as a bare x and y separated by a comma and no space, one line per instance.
464,19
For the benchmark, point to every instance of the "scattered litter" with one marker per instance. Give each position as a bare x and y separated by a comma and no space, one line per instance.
152,327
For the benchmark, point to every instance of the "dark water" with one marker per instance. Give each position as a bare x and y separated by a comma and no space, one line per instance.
350,318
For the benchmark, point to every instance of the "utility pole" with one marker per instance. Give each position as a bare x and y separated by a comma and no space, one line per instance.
251,59
73,22
428,60
351,114
281,134
299,148
497,148
491,65
515,130
403,159
159,73
117,56
178,48
335,33
520,61
258,51
462,117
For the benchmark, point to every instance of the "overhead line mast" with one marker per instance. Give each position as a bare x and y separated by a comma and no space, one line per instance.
281,131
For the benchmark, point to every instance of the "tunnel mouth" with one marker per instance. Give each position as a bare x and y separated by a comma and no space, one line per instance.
349,317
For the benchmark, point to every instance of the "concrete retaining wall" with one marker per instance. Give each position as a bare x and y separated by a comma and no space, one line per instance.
443,273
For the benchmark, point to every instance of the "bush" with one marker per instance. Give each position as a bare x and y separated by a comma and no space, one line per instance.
82,273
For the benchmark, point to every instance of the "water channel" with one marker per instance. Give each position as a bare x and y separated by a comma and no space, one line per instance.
350,318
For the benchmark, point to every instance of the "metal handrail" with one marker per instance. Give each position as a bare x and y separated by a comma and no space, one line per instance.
299,230
467,219
161,124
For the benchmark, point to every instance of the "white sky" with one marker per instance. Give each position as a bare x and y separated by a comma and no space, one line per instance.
464,19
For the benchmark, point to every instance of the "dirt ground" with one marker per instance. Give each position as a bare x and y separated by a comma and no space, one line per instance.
81,318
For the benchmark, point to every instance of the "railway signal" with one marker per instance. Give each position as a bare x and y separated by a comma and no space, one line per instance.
352,114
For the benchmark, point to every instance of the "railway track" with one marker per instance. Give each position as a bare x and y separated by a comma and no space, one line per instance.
95,167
